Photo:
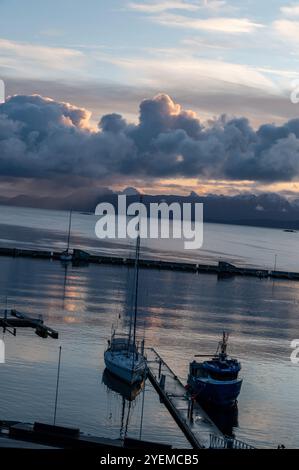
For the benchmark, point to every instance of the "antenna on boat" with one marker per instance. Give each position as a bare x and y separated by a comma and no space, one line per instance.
222,346
57,385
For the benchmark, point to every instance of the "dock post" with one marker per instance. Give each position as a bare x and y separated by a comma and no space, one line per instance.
160,367
162,385
162,381
190,409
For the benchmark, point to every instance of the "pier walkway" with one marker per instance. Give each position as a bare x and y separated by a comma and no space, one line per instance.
199,429
188,414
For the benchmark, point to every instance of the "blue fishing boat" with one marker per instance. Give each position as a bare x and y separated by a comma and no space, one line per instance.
216,381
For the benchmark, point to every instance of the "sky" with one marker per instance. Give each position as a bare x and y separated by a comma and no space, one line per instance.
204,67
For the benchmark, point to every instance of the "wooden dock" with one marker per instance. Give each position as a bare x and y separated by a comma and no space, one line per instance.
188,414
198,427
10,320
222,269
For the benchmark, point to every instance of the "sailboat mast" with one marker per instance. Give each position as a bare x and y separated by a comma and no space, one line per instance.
69,232
136,284
133,319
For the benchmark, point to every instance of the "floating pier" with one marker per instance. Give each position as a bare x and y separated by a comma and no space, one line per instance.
10,320
197,426
222,269
188,414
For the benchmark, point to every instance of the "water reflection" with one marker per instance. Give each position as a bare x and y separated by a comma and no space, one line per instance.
128,392
225,418
127,395
183,315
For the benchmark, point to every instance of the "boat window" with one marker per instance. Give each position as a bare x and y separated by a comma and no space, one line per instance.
224,377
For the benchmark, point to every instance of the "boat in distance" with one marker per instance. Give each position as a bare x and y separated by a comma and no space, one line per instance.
215,381
66,255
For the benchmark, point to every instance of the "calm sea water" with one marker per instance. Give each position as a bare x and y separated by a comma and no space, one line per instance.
181,313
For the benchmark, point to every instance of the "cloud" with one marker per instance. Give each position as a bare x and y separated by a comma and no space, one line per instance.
290,10
218,25
206,95
46,140
287,29
39,61
158,7
181,69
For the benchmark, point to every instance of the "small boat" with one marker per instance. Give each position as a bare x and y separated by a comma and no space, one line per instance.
123,357
290,230
66,254
216,381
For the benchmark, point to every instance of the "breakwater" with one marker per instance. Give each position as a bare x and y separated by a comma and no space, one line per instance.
222,269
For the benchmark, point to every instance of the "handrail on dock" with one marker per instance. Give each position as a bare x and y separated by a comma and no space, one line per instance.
218,442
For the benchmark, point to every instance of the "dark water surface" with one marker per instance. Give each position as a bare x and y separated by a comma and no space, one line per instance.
182,314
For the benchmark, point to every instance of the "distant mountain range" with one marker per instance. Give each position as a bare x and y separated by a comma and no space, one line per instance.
264,210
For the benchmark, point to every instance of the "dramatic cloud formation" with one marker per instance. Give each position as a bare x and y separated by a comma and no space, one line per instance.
44,139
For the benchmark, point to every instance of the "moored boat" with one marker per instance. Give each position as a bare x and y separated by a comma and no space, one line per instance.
123,357
216,381
124,360
66,255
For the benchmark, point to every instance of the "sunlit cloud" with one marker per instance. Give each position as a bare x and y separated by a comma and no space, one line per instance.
219,25
158,7
183,69
38,60
287,29
184,5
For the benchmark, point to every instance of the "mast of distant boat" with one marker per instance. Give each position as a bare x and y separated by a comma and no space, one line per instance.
69,232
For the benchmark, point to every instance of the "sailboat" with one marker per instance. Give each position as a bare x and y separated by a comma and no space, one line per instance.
66,254
123,357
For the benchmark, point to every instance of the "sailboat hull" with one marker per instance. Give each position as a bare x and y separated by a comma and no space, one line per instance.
124,367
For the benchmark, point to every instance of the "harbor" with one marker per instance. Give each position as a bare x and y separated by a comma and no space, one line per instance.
127,368
81,298
81,258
